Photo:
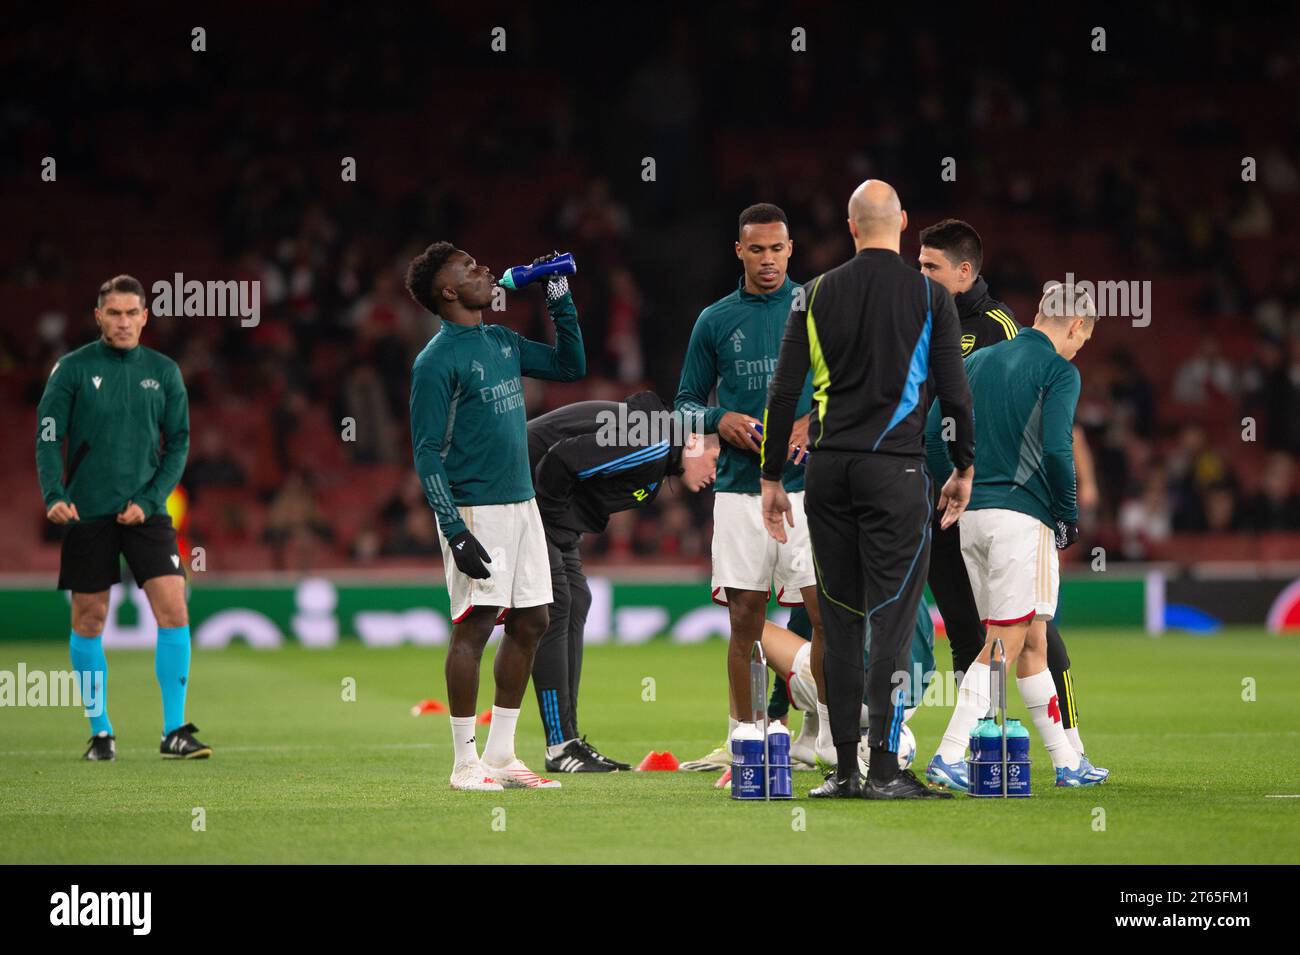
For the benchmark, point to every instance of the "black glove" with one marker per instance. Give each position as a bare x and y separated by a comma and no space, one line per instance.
1067,532
470,556
545,258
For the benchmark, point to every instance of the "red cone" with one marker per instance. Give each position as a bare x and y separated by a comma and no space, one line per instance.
659,762
724,781
428,706
485,718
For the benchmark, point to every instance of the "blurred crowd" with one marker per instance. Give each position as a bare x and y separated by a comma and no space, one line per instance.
1193,422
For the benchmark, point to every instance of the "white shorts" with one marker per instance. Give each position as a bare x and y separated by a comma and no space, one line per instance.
1013,567
800,685
747,557
801,688
521,569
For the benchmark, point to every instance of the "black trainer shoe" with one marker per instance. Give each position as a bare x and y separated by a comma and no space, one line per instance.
614,764
181,744
102,747
832,788
577,758
902,786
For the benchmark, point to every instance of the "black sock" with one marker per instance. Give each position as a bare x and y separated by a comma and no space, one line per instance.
846,758
884,765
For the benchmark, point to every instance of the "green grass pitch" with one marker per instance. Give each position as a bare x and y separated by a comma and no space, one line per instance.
300,775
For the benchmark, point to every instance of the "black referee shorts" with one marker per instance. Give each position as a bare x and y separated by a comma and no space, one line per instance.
92,552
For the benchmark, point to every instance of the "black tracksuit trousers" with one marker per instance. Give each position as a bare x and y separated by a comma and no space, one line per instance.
557,666
869,520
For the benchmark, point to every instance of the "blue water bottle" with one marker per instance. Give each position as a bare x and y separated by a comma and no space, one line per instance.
984,768
518,276
747,763
780,774
1017,759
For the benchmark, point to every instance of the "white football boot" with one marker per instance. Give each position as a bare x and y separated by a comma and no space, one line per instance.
473,776
516,775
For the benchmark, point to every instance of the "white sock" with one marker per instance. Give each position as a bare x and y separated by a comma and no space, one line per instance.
972,706
825,742
500,748
462,738
1039,694
551,751
1072,734
809,728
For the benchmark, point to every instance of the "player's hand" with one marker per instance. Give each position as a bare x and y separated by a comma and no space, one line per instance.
739,431
471,559
557,286
1067,532
798,450
776,510
955,495
132,514
61,512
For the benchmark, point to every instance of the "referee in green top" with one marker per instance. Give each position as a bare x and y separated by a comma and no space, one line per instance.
110,402
875,334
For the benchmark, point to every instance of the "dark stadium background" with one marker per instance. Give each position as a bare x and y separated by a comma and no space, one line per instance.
1123,165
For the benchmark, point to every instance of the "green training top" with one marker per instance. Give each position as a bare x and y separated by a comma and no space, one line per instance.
734,347
111,406
469,429
1025,395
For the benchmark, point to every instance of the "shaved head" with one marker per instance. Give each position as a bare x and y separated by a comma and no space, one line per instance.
876,216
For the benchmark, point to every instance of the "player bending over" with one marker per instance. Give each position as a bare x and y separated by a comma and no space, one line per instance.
583,474
1022,510
469,434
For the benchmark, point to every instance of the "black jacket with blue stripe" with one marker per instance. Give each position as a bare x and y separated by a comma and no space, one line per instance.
882,342
592,459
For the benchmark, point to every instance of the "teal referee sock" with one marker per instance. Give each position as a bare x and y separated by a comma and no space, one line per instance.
171,664
88,661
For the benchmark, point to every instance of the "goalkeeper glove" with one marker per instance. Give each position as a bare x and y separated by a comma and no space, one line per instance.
470,557
1067,532
557,286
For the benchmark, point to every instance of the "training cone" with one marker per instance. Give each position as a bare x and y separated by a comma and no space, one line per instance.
484,718
428,706
724,780
664,762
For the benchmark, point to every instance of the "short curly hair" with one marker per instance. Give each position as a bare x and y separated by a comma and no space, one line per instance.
424,268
